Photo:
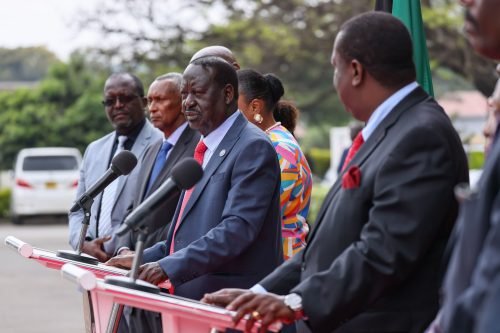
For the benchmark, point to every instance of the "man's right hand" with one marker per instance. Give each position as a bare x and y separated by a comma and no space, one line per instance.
120,261
95,248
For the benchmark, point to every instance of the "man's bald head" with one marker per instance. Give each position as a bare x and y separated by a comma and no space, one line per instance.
217,51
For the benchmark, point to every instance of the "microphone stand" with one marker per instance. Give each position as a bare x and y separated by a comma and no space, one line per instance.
85,205
130,282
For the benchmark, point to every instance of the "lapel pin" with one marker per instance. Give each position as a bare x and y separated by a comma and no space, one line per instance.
222,152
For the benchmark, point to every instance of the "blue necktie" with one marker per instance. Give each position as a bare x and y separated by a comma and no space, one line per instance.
161,158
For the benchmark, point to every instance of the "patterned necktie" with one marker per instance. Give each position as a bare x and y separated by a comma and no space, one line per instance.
108,197
199,154
356,144
161,159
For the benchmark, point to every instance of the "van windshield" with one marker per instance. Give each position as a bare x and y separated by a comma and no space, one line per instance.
46,163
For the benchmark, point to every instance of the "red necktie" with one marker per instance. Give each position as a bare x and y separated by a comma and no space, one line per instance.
356,144
199,153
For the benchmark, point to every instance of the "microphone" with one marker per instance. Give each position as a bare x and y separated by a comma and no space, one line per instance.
185,174
121,164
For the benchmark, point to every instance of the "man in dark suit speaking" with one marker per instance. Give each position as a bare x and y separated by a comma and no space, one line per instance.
226,229
371,263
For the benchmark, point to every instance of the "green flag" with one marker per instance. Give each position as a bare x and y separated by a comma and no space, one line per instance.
409,12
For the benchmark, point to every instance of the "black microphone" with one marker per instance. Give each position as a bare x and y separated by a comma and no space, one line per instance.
122,164
185,174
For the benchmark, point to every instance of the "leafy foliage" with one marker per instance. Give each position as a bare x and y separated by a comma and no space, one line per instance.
63,110
291,38
25,63
4,201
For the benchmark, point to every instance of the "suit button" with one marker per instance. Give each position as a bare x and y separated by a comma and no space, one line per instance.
303,266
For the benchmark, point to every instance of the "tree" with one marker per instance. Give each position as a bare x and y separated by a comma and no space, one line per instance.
25,63
64,110
292,38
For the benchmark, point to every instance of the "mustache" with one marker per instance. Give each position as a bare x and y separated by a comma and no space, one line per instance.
469,18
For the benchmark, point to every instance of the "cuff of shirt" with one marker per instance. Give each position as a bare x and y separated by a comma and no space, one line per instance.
258,289
121,249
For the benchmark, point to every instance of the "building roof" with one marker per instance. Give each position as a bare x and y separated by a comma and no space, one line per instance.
464,104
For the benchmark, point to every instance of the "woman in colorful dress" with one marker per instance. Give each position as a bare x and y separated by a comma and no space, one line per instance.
260,101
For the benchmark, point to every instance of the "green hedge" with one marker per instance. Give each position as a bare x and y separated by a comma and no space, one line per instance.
318,195
319,160
476,159
4,202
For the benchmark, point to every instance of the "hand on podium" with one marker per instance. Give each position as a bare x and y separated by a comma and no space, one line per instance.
152,273
268,308
121,261
95,248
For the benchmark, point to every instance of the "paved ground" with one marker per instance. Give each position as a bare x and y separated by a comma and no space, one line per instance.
34,298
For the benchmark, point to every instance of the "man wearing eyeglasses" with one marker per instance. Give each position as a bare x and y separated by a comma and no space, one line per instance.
124,103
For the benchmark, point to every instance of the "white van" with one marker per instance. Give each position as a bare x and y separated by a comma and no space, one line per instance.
45,181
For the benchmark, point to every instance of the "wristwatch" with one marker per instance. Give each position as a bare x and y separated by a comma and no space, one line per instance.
294,302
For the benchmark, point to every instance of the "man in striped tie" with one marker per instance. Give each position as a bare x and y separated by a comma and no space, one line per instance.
124,104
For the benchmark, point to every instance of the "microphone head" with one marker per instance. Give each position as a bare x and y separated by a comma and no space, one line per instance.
186,173
123,163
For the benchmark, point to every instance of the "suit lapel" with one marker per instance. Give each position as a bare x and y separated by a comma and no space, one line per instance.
103,163
139,146
217,158
415,97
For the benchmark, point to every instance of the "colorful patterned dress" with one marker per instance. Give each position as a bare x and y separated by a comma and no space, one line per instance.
296,185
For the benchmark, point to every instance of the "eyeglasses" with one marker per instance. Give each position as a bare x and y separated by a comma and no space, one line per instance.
124,99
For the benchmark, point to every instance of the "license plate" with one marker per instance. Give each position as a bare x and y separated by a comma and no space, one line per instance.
50,185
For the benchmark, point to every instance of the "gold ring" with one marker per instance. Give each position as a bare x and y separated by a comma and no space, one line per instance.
255,315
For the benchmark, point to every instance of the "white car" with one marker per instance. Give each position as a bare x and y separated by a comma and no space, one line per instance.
45,181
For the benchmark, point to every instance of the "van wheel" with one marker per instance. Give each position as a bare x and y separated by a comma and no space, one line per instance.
17,220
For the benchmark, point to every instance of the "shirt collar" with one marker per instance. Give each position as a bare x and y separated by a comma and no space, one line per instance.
174,137
385,108
214,138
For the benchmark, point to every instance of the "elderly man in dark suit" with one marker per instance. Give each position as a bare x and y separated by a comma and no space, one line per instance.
371,263
165,108
226,230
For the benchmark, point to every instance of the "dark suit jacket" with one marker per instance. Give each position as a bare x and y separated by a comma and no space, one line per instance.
372,259
475,261
159,219
488,320
230,233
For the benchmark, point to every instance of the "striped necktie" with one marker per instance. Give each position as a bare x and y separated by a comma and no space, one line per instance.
108,198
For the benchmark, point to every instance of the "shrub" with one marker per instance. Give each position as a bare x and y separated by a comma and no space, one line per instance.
319,160
476,159
318,195
4,202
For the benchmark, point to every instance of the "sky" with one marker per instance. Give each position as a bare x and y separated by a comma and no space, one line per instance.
43,22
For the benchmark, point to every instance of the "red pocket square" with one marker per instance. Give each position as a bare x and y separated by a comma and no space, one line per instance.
352,178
